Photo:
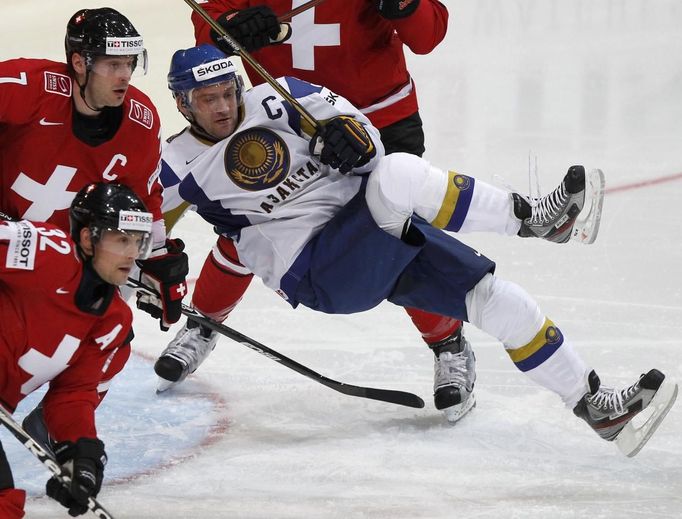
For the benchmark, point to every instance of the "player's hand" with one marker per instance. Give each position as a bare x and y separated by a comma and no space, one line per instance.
345,143
253,28
84,461
395,9
166,271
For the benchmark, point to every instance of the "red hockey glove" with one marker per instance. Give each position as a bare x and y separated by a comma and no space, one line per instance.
84,461
345,143
395,9
165,271
253,28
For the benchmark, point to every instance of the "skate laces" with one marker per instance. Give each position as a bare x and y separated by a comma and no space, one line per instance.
545,209
190,346
608,398
451,368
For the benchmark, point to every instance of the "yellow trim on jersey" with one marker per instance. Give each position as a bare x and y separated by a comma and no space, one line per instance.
171,217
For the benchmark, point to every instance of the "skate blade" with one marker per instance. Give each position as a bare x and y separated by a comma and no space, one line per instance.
455,413
631,439
163,385
587,224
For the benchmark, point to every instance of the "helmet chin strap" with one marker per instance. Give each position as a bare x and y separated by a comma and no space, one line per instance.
81,89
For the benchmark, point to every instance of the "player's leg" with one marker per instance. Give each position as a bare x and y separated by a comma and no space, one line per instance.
454,366
219,288
12,500
403,185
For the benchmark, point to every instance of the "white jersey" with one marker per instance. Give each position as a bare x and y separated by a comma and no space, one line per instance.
177,156
261,186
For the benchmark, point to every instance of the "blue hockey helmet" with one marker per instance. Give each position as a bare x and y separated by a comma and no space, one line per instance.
201,66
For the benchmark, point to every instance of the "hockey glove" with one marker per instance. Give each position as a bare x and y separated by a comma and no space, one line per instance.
395,9
253,28
345,143
84,461
165,271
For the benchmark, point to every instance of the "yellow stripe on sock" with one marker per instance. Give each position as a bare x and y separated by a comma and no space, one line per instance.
520,354
447,208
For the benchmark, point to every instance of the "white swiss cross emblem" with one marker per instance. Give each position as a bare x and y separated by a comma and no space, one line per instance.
306,35
44,368
46,198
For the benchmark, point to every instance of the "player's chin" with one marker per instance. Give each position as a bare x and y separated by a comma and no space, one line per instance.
121,275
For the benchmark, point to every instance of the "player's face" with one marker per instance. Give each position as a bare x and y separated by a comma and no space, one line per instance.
215,108
109,80
115,255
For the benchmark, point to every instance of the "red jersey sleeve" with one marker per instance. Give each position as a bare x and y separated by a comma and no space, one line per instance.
202,31
424,29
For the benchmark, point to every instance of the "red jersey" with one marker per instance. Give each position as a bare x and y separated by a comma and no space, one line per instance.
46,336
43,164
347,46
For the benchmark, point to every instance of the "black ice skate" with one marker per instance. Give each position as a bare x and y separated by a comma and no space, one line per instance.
183,355
454,376
610,413
566,212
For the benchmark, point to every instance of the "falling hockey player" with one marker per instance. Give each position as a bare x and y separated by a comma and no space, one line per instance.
329,222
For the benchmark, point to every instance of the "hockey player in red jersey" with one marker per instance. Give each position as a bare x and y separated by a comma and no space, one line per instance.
64,322
355,49
64,125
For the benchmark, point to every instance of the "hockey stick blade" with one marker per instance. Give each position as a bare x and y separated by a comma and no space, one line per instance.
383,395
586,225
632,438
47,459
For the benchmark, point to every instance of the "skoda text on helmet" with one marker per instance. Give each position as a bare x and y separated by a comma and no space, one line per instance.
111,207
199,67
104,32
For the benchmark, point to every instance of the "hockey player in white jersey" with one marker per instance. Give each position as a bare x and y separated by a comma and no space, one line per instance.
223,280
343,230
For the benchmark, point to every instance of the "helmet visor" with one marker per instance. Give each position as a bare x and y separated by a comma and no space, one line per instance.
136,244
218,97
129,65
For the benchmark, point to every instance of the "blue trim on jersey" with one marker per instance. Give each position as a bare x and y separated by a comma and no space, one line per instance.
293,117
211,210
299,88
167,177
353,266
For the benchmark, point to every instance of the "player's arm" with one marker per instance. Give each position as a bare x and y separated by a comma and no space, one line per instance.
69,411
346,140
420,24
16,87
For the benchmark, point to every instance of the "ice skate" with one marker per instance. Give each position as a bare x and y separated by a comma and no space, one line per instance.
34,424
454,376
566,212
611,412
183,355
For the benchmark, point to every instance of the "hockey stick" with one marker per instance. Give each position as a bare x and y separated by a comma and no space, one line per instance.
383,395
47,459
303,7
245,56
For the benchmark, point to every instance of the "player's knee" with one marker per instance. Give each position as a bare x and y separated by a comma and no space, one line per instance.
392,189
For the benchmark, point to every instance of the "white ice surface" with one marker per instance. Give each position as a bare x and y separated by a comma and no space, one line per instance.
571,81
